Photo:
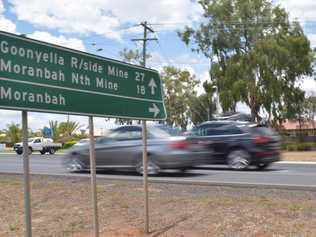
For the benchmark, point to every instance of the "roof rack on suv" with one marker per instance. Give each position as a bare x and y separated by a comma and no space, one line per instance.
233,116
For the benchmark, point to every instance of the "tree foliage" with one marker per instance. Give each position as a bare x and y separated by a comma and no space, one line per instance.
179,94
13,133
63,131
133,56
258,56
203,107
68,128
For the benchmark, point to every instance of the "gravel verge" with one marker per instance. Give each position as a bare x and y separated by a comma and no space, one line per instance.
62,207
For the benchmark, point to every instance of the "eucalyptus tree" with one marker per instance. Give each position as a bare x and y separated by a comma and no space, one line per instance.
258,56
179,91
13,132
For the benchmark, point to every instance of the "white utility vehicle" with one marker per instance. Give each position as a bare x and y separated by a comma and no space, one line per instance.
41,144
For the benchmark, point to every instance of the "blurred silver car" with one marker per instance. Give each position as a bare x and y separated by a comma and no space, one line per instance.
122,149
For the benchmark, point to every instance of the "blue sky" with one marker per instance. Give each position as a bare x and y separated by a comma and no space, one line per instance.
111,25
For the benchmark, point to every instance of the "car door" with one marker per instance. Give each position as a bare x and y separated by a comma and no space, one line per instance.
198,137
224,138
214,136
220,143
37,144
120,148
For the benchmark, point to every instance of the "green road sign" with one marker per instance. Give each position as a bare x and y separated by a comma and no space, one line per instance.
37,76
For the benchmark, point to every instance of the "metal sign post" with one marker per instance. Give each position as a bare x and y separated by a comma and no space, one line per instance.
26,166
93,179
145,176
154,109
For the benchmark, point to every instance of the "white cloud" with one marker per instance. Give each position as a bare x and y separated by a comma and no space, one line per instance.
59,40
157,60
6,25
205,76
243,108
312,39
301,9
9,116
308,85
103,17
1,7
37,121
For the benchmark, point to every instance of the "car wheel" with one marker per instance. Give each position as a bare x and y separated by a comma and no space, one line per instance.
19,152
52,151
263,166
74,167
152,168
183,170
238,159
42,152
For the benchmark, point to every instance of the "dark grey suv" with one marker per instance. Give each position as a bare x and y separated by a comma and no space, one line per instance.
238,144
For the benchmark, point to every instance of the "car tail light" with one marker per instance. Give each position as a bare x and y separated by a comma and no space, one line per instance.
180,144
261,140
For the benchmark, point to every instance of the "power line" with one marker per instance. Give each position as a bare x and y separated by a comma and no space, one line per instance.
310,20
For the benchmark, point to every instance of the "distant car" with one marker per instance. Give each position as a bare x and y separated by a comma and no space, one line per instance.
238,144
122,149
41,144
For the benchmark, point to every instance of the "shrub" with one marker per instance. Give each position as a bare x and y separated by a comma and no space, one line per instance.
69,144
306,146
291,147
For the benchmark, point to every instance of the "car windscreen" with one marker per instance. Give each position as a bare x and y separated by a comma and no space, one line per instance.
158,132
84,141
170,130
265,131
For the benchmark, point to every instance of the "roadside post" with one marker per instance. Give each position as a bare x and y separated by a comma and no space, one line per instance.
145,176
26,167
93,178
42,77
152,86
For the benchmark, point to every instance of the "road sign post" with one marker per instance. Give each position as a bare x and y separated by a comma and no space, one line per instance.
26,167
93,178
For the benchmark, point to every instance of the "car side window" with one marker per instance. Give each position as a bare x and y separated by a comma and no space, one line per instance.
127,134
37,141
224,130
235,130
133,135
208,129
200,131
214,132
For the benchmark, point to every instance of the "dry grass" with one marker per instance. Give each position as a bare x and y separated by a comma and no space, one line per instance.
299,156
61,208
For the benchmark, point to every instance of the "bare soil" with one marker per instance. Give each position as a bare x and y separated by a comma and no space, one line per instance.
61,207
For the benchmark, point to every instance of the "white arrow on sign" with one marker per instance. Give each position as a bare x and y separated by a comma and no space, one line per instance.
153,85
154,110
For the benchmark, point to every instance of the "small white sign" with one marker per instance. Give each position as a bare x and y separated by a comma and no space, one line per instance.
2,147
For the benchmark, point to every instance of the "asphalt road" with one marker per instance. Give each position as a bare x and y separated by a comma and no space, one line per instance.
279,175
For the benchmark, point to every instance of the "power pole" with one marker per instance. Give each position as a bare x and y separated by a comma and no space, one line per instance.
144,131
145,39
